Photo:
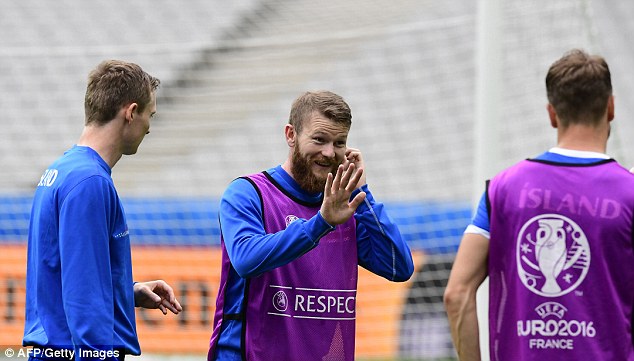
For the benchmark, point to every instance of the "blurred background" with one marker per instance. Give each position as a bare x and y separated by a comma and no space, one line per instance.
411,70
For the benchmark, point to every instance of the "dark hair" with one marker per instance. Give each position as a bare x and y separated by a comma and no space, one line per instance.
326,103
114,84
578,86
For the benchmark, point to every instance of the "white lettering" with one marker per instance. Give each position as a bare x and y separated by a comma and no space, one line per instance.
325,304
320,300
48,353
299,303
98,354
521,331
340,304
350,310
331,302
561,344
48,178
309,304
551,328
533,198
561,328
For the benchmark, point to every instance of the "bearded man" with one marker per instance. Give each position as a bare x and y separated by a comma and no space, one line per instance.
293,237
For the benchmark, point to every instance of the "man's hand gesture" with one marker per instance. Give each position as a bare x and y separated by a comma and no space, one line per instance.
337,207
156,294
353,156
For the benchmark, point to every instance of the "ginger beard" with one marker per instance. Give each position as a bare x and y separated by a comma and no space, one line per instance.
302,170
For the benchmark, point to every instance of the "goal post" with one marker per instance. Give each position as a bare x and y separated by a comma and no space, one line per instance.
488,96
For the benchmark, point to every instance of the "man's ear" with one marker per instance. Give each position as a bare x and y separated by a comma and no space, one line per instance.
290,134
130,111
554,122
610,108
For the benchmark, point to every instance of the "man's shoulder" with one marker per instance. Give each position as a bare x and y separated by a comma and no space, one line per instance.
80,172
249,182
78,168
240,188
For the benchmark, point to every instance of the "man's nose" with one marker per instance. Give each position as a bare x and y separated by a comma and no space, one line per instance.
328,150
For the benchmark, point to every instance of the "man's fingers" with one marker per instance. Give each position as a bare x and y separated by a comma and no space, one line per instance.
352,152
352,183
167,291
162,308
337,181
328,187
175,307
357,200
152,295
346,163
345,180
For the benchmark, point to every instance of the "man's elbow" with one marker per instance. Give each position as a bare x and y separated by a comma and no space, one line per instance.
456,299
246,270
405,274
244,267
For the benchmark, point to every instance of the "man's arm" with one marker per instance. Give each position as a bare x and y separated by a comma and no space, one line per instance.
380,246
87,285
468,272
252,251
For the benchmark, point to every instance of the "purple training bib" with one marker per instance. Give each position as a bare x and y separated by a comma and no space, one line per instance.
561,264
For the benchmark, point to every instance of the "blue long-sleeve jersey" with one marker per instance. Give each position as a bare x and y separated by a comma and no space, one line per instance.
252,251
79,284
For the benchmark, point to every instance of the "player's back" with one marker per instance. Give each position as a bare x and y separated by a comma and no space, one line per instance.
560,261
45,320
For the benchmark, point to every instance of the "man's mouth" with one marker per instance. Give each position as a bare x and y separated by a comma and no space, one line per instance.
324,164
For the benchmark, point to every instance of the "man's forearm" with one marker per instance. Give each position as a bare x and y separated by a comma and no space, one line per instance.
463,323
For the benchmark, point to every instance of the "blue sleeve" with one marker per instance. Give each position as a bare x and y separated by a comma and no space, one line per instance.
84,246
251,250
481,217
381,248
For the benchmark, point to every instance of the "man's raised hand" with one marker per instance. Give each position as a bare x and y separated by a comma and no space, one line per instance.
336,207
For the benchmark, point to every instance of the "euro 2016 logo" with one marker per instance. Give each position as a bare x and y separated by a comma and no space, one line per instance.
553,255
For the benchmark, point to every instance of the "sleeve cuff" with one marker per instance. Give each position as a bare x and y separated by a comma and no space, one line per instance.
317,227
477,230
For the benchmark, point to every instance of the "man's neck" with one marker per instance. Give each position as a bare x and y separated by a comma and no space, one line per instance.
584,138
102,139
287,167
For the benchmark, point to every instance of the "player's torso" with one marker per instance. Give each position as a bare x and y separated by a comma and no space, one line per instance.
560,262
306,307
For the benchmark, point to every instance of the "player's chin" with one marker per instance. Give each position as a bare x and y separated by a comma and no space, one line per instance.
130,152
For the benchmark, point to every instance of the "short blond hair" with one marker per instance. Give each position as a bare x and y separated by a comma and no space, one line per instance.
323,102
114,84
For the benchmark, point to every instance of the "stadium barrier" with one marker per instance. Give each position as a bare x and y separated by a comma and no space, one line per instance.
177,241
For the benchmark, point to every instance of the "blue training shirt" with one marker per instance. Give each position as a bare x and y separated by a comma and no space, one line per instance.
480,223
79,288
380,246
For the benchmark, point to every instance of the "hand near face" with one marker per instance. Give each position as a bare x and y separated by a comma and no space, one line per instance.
336,207
156,294
353,156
